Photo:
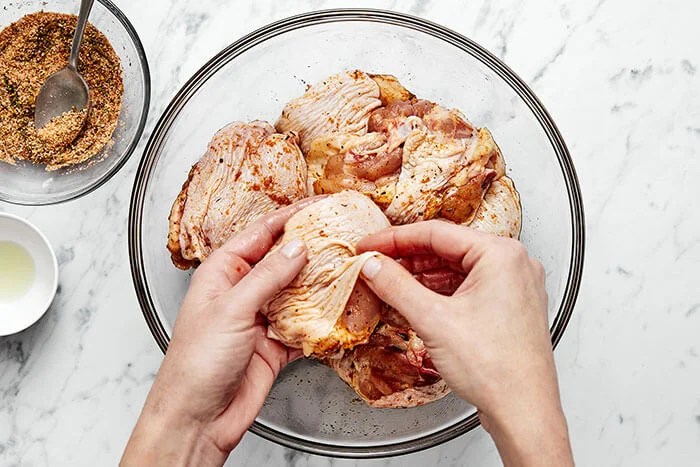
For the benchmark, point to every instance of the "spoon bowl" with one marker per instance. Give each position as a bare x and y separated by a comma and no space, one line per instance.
66,91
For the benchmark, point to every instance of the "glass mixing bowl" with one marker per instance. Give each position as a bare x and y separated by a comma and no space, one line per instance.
310,408
30,184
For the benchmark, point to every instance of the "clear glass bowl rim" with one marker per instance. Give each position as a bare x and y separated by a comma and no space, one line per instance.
356,15
98,182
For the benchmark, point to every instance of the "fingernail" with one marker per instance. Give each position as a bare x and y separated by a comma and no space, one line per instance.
371,268
293,248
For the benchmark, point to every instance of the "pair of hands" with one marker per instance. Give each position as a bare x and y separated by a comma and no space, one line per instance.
489,340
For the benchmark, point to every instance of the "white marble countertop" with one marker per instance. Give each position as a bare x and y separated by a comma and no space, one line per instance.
620,79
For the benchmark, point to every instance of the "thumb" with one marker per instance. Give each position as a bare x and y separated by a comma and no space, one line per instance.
269,276
397,287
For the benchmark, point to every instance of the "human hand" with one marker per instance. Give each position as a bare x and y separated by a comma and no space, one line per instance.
490,339
220,364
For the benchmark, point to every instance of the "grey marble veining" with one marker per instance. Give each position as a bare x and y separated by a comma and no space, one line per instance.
620,79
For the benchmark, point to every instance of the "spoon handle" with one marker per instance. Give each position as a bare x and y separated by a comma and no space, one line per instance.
85,7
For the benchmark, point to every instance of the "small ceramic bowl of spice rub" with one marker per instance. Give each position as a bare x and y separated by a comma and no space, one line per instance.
43,166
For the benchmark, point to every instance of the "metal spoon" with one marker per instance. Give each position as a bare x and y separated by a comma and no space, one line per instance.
65,90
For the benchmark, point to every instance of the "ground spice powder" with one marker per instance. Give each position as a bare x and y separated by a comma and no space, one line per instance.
62,130
32,49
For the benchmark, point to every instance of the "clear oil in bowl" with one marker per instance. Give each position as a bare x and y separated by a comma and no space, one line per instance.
17,271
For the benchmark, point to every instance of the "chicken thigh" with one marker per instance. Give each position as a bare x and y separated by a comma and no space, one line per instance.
247,171
326,308
392,370
339,104
500,212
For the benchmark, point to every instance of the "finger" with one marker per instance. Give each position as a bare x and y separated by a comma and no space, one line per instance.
267,361
539,271
257,239
219,272
455,243
540,276
275,354
268,277
397,287
294,354
228,264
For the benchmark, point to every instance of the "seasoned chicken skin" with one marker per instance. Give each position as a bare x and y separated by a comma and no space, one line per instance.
247,171
340,104
416,159
499,213
326,309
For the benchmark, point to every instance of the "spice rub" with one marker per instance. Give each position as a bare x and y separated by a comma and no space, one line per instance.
33,48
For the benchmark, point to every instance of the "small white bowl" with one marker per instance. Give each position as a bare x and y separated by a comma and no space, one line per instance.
21,312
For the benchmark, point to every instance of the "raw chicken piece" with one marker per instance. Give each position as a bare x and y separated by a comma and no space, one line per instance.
430,161
499,212
392,370
340,104
466,189
366,163
443,175
248,170
391,90
326,309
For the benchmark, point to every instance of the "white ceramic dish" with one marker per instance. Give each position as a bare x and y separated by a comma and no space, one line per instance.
19,312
